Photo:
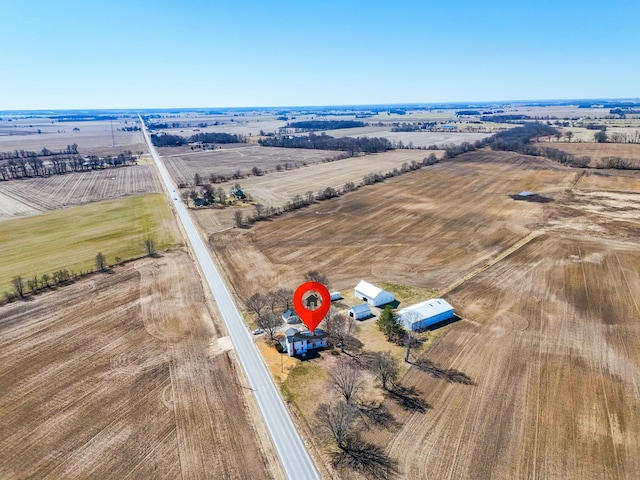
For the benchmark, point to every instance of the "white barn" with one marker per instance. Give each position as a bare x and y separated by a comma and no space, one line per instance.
360,312
425,314
299,343
373,295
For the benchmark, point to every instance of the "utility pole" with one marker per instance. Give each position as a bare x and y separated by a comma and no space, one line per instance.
113,137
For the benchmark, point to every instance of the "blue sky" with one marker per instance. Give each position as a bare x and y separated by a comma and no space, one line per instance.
218,53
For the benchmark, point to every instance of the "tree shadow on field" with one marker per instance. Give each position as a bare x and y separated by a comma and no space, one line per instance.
409,399
376,415
366,458
449,374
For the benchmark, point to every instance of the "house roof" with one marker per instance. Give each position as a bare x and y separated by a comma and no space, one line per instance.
288,313
427,309
364,308
368,290
308,335
290,332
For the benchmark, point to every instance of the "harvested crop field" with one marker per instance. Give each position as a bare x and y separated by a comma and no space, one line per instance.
548,294
92,137
437,224
598,150
227,161
551,340
125,376
35,195
276,189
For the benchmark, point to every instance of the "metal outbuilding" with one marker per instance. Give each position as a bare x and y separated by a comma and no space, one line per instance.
360,312
373,295
425,314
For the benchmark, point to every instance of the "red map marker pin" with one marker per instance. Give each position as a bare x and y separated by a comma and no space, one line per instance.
312,318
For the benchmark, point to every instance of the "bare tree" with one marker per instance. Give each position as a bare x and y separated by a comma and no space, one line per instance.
341,330
273,300
237,215
285,297
101,262
386,368
184,195
259,208
18,285
339,420
410,339
346,377
33,284
46,278
150,247
569,135
316,276
256,303
269,322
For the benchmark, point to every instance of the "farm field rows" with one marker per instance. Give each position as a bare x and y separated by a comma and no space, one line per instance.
277,188
35,195
549,332
418,139
70,238
94,137
125,375
551,340
598,150
436,224
228,160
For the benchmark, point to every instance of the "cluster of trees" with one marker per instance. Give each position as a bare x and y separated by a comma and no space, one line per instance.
16,168
343,421
206,195
310,125
45,152
326,142
35,284
617,137
169,140
620,163
505,118
61,277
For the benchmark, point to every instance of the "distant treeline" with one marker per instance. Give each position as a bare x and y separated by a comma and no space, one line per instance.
17,168
504,118
519,140
82,118
45,152
326,142
168,140
308,125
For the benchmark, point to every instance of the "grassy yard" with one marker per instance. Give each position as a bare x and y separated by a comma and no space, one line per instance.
71,238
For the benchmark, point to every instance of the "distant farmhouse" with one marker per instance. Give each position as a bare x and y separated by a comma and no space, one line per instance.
424,314
299,343
373,295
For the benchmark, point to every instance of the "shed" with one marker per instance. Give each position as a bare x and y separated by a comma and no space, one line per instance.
424,314
360,312
335,296
373,295
290,316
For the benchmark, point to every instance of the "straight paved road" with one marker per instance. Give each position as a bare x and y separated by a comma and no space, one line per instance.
293,454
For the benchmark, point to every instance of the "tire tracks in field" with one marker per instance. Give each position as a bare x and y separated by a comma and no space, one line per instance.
491,262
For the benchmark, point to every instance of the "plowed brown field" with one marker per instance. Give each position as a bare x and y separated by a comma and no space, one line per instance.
125,376
548,295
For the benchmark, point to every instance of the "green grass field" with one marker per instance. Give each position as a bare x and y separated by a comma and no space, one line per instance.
71,238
